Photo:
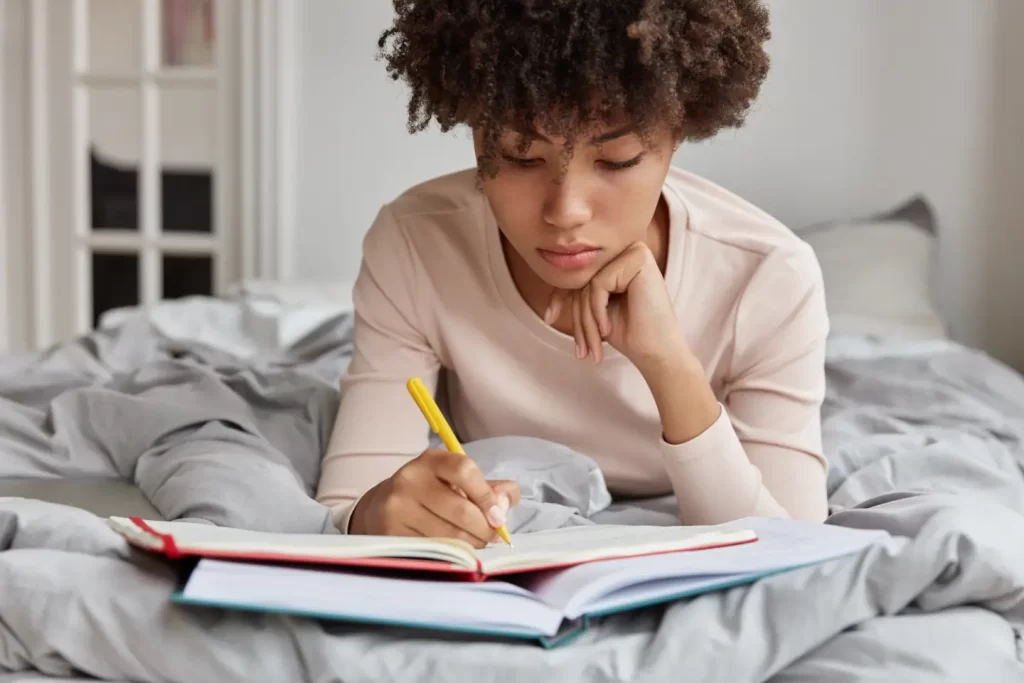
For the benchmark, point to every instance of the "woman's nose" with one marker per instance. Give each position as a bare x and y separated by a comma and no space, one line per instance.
567,205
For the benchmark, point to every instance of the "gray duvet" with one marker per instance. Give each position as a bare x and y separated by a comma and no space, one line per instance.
927,444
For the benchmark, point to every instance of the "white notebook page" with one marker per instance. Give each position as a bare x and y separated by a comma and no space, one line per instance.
577,544
782,544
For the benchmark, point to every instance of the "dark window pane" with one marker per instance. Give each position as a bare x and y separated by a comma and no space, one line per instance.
187,276
187,199
114,197
115,282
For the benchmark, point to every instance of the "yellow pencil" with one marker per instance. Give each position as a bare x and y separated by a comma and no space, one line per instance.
429,408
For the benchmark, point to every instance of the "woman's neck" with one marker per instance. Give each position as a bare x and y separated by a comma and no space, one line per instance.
537,293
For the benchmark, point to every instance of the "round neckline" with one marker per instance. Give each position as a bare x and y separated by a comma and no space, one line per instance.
506,286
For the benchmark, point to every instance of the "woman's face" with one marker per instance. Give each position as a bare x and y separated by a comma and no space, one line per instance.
567,220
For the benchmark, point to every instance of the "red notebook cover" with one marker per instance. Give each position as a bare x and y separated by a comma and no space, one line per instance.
169,549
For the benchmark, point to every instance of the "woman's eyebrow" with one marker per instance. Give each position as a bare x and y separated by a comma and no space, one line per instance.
599,139
611,135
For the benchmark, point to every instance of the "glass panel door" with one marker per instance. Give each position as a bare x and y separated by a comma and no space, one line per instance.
148,129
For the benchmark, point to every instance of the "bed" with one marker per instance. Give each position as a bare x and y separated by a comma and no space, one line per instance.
217,410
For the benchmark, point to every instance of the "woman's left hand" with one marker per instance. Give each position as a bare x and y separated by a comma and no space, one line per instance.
626,304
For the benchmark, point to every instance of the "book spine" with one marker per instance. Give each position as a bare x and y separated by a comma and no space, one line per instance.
570,631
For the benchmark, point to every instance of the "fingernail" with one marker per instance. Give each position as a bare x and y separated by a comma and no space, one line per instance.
496,516
579,352
547,315
504,502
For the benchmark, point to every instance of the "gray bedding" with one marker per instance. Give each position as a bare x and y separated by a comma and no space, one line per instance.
923,442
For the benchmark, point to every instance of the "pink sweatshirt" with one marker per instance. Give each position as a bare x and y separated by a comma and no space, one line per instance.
434,292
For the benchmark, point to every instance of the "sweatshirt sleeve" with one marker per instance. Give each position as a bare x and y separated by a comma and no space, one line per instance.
763,456
378,427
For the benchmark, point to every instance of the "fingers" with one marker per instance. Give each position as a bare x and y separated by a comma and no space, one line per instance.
507,488
616,275
589,319
451,515
555,306
592,306
591,333
438,494
462,472
577,328
598,302
403,530
428,523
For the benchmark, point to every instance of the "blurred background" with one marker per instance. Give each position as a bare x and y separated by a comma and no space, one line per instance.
155,150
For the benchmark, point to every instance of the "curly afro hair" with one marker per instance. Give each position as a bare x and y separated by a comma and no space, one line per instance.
561,65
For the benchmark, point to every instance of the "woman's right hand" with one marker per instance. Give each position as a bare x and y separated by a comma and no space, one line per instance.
425,498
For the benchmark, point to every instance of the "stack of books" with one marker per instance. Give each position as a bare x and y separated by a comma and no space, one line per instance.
547,588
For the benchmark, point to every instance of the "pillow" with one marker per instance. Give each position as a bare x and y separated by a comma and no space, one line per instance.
282,312
880,272
254,317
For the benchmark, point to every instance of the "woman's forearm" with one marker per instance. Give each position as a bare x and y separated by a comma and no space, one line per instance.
686,404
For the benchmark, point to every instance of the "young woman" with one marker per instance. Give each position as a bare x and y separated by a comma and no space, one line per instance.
574,286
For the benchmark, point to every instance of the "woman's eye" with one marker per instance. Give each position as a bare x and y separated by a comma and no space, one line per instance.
621,165
523,162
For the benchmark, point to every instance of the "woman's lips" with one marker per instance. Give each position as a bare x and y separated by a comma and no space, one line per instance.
570,258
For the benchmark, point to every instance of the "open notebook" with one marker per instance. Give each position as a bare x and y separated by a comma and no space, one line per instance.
550,606
532,552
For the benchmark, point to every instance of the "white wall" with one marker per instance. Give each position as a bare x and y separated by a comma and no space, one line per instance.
871,101
868,102
354,153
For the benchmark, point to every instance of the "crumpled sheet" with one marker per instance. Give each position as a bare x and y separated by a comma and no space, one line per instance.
926,446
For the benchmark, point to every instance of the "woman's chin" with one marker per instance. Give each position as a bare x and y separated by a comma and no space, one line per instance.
561,278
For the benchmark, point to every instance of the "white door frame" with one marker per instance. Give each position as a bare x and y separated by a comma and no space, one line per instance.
268,147
259,218
40,284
